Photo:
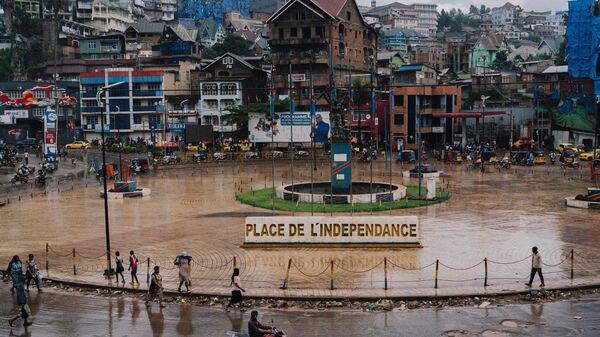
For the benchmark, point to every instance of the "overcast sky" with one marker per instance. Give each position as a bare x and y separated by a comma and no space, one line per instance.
529,5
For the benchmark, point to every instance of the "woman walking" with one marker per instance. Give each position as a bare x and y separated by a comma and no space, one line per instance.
133,264
156,288
15,267
236,288
120,268
184,261
23,312
32,272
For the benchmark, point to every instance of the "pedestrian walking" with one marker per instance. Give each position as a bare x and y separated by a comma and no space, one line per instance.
15,267
536,267
120,268
236,288
26,157
183,261
156,288
32,272
23,312
133,264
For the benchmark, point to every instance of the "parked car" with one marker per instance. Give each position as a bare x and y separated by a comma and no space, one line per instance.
27,143
563,146
587,156
78,145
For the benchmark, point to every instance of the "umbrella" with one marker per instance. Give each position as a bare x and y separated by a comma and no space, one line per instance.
163,143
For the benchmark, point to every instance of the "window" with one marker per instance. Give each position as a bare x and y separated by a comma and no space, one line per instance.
91,44
398,100
228,88
398,119
153,119
177,77
137,86
306,32
293,32
228,60
92,120
209,89
153,86
223,73
319,31
137,119
348,15
300,15
281,36
137,102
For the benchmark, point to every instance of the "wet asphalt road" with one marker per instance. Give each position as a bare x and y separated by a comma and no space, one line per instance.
61,314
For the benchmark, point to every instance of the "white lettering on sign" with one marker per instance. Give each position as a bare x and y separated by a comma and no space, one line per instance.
332,230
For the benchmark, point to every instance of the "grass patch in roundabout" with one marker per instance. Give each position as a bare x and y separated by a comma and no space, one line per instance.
263,198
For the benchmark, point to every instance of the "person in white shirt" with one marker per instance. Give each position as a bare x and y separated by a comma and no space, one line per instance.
536,267
236,288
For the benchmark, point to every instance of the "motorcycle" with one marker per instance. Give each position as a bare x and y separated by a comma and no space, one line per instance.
218,156
571,164
251,155
367,156
302,154
40,179
23,178
274,333
552,158
503,164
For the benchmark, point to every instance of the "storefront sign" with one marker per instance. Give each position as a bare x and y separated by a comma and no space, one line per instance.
50,120
323,230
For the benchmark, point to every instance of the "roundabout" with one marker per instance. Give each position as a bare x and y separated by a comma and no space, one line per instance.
496,215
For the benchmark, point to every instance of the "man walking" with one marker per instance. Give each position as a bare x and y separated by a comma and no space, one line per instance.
536,267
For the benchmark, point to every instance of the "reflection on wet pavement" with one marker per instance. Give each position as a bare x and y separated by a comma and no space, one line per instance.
498,215
59,314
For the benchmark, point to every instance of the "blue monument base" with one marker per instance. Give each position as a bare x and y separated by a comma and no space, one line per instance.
341,167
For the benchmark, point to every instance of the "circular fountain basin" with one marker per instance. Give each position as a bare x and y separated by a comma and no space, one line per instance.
362,192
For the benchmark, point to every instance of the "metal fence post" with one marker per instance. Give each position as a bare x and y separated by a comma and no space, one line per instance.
148,270
437,272
74,264
572,262
485,281
287,275
331,276
47,264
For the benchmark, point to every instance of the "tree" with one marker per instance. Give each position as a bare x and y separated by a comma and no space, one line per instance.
232,44
473,10
484,10
560,57
8,7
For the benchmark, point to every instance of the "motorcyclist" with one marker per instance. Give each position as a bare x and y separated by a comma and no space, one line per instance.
552,157
255,329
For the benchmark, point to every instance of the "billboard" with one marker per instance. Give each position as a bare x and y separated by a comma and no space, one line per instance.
339,230
261,127
576,112
50,120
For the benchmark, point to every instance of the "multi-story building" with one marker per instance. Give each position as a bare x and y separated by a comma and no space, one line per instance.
105,47
505,14
227,82
32,8
425,109
110,16
141,36
434,55
83,10
28,117
415,74
164,10
133,106
420,17
178,41
305,36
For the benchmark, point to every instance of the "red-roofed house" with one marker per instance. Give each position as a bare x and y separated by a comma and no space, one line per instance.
485,50
305,32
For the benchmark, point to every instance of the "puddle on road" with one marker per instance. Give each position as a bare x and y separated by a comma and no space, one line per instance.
514,323
486,333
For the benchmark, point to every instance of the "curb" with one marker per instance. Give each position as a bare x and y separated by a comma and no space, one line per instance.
326,298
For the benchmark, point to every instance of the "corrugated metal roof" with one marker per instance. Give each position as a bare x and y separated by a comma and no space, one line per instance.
556,70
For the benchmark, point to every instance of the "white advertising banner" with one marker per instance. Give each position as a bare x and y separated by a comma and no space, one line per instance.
325,230
261,126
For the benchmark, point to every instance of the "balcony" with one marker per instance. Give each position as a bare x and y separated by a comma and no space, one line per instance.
91,109
148,93
149,108
300,57
88,94
298,41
